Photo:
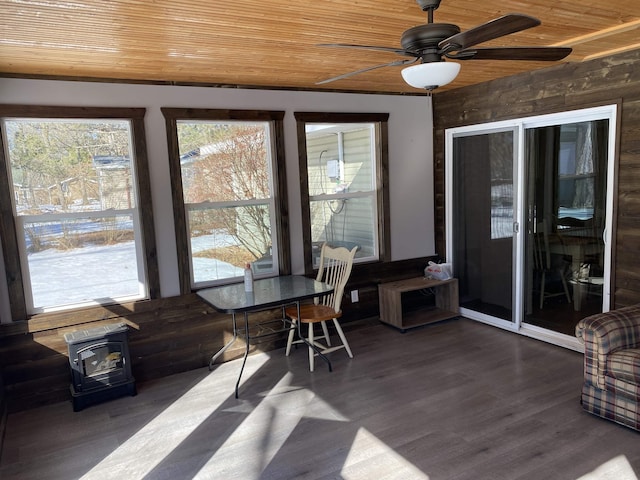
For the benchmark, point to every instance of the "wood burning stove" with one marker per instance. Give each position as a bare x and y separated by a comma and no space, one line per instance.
100,364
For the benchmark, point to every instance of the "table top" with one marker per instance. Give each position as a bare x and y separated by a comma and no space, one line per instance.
267,292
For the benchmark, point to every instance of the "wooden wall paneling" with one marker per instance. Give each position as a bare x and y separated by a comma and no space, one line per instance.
8,236
35,370
280,182
166,335
3,414
177,196
145,204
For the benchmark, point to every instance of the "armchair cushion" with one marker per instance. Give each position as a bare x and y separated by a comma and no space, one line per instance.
605,333
625,365
623,371
611,386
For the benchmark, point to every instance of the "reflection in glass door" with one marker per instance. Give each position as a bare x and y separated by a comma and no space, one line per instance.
566,212
483,222
529,213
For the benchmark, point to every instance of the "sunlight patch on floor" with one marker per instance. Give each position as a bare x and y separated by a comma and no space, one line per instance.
156,440
266,429
617,468
369,454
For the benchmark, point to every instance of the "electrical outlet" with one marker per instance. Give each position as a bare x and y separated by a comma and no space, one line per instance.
354,296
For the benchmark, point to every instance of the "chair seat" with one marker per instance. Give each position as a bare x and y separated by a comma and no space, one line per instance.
313,313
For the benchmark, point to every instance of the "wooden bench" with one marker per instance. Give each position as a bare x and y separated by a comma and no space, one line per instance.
445,304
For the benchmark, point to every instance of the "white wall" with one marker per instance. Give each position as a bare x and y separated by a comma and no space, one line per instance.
410,152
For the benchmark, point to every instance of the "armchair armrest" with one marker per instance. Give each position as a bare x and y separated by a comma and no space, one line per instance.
605,333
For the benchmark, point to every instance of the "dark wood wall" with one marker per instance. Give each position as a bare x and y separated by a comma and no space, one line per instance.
610,80
166,336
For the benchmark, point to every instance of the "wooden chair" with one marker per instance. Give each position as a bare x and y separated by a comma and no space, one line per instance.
335,269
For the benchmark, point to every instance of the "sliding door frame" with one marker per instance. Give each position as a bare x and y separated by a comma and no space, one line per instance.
519,127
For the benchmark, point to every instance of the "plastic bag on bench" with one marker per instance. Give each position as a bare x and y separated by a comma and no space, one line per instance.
438,271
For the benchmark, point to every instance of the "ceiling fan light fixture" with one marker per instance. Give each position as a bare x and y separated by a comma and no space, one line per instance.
431,75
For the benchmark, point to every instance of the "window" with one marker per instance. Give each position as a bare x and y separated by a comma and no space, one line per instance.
344,189
581,159
74,183
227,170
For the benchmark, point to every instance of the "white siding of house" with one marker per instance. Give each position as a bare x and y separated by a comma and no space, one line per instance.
352,222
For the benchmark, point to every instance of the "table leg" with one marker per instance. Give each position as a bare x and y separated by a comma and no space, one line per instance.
248,340
229,343
577,291
246,350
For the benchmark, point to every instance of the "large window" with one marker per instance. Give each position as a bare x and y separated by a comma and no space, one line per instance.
228,198
344,189
74,185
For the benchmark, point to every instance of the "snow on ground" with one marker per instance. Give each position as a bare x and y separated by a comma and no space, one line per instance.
108,271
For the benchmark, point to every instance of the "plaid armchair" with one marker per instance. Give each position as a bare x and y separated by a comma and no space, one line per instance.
611,386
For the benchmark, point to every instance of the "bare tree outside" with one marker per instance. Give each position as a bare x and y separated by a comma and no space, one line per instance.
226,183
56,168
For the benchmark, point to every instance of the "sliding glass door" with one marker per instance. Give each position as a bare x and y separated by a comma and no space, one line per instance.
566,217
529,208
483,223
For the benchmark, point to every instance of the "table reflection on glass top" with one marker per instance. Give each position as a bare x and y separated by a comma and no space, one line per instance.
267,292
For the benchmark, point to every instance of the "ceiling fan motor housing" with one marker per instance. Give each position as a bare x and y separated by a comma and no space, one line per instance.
424,39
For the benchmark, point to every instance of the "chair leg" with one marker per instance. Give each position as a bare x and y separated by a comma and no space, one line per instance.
566,287
292,332
343,338
325,330
542,289
312,353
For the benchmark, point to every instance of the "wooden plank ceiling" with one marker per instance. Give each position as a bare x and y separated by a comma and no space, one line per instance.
273,43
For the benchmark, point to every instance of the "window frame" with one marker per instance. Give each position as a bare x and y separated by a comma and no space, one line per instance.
380,121
8,224
275,119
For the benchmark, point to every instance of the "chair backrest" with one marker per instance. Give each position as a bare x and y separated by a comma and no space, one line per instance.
335,269
542,241
542,255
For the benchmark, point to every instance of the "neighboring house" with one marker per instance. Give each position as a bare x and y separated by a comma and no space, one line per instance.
341,161
113,182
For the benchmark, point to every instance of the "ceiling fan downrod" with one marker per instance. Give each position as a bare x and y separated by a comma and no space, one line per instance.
428,6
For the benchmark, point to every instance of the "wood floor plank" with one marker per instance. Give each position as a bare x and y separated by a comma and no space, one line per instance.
454,400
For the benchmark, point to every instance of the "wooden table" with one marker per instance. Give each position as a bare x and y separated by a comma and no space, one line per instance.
267,293
578,248
446,302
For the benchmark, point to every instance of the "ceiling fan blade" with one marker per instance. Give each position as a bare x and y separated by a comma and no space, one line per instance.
345,75
511,23
398,51
544,54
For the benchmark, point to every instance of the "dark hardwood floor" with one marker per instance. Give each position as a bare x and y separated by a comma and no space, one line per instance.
454,400
559,316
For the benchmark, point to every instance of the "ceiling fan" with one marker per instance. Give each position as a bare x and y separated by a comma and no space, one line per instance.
431,43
